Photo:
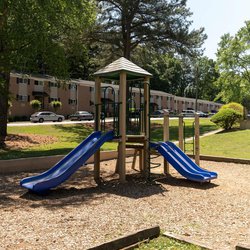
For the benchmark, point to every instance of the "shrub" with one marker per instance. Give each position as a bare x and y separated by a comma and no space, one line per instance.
226,118
36,105
56,105
235,106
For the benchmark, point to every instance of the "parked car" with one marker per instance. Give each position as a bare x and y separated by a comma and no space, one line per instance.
202,114
212,112
81,115
157,113
188,113
46,116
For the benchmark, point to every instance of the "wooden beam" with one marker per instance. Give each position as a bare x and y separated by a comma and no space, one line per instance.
181,132
166,137
122,127
147,124
197,138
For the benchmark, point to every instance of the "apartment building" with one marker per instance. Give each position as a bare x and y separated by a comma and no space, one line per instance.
79,95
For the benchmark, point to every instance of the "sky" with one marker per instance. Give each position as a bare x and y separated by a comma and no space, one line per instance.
218,17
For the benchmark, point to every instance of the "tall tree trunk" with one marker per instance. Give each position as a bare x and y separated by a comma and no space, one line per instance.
4,91
127,49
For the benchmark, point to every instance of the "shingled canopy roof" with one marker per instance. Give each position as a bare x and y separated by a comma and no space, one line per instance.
112,71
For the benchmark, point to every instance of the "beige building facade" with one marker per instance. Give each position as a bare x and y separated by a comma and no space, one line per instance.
78,95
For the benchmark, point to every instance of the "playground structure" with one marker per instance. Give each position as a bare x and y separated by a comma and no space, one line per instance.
131,129
125,73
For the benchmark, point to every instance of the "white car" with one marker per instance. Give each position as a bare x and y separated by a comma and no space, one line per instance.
46,116
188,113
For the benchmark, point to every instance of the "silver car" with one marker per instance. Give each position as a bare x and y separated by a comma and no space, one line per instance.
46,116
188,113
81,115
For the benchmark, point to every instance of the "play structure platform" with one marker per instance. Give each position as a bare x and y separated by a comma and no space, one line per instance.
182,163
68,165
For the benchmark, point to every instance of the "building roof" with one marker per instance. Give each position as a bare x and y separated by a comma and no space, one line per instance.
112,71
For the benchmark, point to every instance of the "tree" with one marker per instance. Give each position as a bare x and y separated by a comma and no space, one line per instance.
229,115
56,105
233,62
171,73
204,75
162,24
35,36
36,105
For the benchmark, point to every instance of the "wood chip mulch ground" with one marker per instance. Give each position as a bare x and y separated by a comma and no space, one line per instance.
79,214
23,141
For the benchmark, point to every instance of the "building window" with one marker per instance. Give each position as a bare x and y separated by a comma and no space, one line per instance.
71,101
23,80
40,83
54,84
23,98
53,99
72,86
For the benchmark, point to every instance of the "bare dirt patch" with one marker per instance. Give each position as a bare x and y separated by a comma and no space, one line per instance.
79,214
22,141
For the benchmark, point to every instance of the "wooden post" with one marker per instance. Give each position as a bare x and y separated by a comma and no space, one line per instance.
97,127
197,138
166,137
181,137
122,127
147,124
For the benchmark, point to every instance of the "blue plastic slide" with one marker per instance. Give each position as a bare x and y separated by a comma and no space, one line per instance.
182,163
68,165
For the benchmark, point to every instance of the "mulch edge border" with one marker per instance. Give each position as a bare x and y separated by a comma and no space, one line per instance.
186,240
125,242
242,247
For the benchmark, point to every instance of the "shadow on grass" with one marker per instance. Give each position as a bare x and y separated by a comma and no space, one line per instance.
157,131
79,132
16,154
232,130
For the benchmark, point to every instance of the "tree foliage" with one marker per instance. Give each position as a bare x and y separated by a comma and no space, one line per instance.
56,105
170,73
204,75
235,106
36,104
233,62
36,36
162,24
226,118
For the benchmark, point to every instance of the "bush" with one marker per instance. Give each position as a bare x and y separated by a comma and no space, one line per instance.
226,118
56,105
235,106
36,105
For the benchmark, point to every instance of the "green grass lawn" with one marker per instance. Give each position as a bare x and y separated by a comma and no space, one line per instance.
205,126
163,242
233,144
69,136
